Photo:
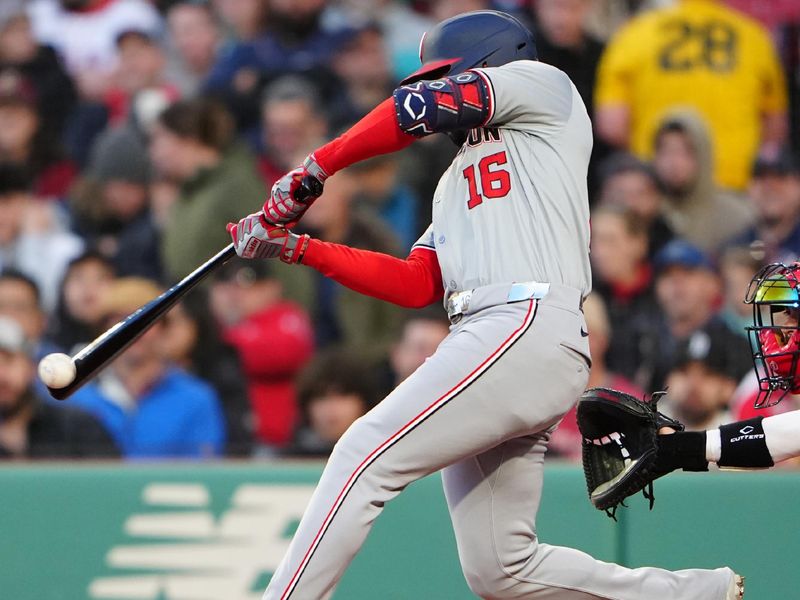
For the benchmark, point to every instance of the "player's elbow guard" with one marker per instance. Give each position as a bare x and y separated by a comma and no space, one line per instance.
458,102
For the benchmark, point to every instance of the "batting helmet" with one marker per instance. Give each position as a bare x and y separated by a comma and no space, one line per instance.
473,39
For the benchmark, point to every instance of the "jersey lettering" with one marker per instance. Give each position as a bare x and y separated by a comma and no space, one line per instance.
494,183
482,135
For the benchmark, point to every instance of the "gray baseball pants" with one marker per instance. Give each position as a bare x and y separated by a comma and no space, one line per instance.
480,409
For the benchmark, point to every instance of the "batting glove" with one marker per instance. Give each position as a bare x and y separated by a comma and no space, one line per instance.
287,201
254,237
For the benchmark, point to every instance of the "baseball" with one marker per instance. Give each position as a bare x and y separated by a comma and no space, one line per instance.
57,370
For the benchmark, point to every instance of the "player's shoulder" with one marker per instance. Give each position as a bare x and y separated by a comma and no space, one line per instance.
525,67
521,72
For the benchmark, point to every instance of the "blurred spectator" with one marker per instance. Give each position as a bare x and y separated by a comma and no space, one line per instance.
244,18
342,316
775,195
334,390
689,291
773,14
141,69
153,409
381,190
702,381
38,249
607,16
84,33
79,316
702,55
738,266
192,341
55,94
422,332
20,301
402,28
444,9
30,428
26,142
624,282
562,40
274,340
293,41
194,32
193,144
110,205
627,181
565,441
362,65
696,209
293,124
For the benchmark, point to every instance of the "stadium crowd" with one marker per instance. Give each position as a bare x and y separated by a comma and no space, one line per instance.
132,131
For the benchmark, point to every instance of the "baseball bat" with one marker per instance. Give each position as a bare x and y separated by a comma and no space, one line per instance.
89,361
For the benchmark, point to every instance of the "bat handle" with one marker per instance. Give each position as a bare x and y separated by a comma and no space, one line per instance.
310,187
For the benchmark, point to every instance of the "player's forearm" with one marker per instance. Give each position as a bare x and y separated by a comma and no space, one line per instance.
377,133
776,437
413,283
756,443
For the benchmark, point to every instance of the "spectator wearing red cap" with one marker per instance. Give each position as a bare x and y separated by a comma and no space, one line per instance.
247,300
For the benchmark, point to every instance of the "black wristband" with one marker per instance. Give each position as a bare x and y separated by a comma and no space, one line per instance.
682,450
744,445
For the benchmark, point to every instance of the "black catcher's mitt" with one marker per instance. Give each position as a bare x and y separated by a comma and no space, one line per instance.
620,445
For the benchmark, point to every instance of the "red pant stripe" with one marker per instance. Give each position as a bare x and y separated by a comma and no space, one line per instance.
438,403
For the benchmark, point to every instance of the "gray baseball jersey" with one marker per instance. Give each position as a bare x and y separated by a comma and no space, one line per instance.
513,204
512,208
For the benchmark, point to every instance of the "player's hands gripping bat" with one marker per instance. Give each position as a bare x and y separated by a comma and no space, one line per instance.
66,379
620,445
293,193
255,237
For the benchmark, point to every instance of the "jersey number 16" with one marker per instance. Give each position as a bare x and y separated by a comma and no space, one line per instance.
493,183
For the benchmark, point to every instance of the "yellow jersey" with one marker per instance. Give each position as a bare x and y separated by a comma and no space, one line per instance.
703,55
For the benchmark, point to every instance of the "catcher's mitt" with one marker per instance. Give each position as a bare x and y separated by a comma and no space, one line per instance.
620,445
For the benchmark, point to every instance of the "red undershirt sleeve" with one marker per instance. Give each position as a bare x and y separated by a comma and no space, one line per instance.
413,283
375,134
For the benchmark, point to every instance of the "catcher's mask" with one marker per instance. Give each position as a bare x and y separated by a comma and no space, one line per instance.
774,293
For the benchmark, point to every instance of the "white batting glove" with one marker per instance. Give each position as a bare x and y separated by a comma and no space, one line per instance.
254,237
288,200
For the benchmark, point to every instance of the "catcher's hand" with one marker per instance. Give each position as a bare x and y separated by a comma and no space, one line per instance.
620,445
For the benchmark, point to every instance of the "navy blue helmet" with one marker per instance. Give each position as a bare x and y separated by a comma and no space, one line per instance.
473,39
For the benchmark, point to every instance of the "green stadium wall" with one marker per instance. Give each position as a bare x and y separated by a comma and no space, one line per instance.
216,532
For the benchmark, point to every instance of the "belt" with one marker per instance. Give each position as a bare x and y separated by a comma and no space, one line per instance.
458,304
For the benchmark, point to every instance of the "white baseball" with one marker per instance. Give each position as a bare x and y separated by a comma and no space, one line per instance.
57,370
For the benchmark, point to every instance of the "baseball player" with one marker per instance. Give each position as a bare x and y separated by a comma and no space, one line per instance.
507,252
760,442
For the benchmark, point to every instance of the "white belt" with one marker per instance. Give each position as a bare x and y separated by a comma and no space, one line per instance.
458,304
